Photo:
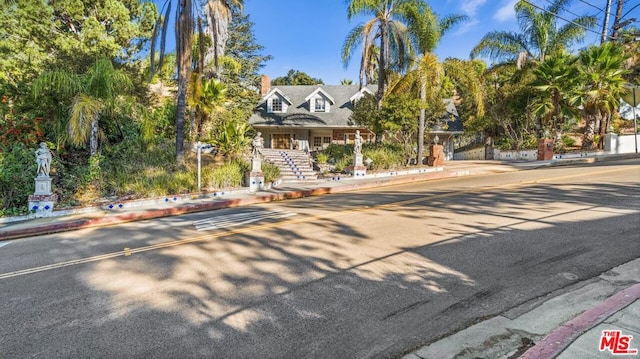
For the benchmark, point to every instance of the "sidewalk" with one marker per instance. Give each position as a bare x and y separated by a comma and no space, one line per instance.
563,325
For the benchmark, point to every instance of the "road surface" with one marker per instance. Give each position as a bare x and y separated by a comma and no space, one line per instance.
368,274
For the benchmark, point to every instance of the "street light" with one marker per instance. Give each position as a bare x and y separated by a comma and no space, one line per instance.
633,98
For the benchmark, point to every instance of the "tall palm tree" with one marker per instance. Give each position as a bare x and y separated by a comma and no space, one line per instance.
184,29
600,73
218,13
94,93
386,25
539,34
427,30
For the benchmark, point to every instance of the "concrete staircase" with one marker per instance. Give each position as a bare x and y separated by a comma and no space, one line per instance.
294,165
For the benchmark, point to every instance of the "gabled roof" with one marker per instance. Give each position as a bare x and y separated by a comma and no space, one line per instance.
450,122
343,96
324,93
298,114
358,95
279,92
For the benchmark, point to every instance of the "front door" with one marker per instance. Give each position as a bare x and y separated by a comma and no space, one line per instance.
281,141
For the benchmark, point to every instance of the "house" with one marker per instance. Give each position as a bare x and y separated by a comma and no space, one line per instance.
310,117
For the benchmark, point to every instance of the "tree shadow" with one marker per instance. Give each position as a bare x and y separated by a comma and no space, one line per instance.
341,283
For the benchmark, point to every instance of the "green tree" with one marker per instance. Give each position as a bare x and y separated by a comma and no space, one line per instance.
555,83
601,77
243,49
94,93
205,98
295,77
366,114
388,25
539,34
427,30
399,114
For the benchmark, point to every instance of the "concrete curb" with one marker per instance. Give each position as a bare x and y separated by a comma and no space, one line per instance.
559,339
109,220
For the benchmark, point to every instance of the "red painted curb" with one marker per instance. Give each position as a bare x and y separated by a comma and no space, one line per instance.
229,203
559,339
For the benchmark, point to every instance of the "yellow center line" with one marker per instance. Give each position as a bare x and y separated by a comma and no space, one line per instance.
309,218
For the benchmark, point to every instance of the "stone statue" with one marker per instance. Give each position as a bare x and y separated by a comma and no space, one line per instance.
357,143
43,159
258,145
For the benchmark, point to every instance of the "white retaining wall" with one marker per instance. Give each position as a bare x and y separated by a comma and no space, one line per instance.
620,144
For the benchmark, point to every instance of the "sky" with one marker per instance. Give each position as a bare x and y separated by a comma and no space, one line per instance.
307,35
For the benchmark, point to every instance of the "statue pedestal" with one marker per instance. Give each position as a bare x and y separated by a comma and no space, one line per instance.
358,170
43,185
42,201
255,178
41,205
255,181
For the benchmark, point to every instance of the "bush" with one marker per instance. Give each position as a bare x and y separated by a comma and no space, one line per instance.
228,175
271,172
322,158
17,170
387,156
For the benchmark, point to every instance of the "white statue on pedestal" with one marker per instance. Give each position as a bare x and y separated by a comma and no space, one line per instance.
357,143
43,159
258,145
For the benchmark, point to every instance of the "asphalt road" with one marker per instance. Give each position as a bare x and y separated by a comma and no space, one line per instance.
367,274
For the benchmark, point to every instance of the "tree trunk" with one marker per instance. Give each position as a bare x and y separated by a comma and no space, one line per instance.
93,136
605,25
382,63
184,31
421,124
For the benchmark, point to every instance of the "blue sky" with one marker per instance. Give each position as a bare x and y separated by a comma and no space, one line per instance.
308,35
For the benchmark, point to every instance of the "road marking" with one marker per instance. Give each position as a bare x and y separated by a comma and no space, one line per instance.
238,219
301,219
2,244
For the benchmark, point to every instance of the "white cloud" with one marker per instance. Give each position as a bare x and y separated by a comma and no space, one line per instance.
506,12
471,7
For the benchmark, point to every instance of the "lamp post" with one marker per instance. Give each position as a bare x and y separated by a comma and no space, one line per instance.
633,98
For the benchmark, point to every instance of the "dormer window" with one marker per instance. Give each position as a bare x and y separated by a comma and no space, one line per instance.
276,105
320,105
276,101
320,101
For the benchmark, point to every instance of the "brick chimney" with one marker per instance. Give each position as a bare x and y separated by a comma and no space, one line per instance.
265,85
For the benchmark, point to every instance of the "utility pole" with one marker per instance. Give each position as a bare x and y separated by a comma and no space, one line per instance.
616,21
605,26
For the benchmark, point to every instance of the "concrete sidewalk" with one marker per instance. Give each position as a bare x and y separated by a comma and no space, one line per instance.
566,325
562,325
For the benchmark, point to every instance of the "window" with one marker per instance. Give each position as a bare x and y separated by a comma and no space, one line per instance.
317,141
326,139
276,105
320,104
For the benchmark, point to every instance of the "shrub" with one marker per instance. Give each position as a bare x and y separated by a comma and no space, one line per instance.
271,172
322,158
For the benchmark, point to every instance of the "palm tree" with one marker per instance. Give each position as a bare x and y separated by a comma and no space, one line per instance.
218,13
184,41
95,92
600,72
387,26
555,81
539,34
427,30
205,98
